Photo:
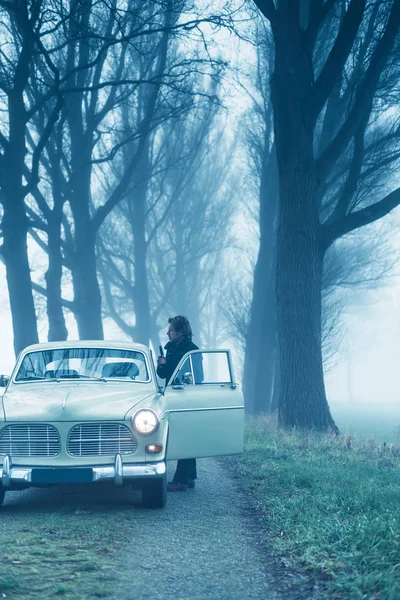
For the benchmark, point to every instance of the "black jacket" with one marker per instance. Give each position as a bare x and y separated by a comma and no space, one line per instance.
174,354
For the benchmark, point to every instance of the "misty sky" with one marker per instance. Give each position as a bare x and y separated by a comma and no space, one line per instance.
369,361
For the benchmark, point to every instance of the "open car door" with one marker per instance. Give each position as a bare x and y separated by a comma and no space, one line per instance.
204,407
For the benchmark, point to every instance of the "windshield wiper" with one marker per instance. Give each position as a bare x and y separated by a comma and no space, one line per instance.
79,376
60,377
35,378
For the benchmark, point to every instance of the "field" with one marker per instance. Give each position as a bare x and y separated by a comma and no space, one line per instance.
70,553
381,421
329,508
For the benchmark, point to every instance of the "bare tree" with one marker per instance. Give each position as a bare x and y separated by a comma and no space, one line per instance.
310,63
22,26
81,57
186,219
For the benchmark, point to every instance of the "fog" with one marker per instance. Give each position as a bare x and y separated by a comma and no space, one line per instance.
363,386
178,166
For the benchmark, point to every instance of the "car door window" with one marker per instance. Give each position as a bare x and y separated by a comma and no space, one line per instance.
202,368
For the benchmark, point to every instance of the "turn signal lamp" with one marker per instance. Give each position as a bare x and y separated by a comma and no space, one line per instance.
154,448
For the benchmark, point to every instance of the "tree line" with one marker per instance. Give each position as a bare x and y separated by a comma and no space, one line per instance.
124,159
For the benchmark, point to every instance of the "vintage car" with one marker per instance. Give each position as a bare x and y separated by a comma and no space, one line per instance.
93,411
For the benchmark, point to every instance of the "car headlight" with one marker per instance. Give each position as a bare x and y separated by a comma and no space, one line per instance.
145,421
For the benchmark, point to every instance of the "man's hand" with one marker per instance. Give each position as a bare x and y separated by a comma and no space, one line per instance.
161,360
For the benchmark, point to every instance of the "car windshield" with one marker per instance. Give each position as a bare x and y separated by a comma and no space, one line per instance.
85,363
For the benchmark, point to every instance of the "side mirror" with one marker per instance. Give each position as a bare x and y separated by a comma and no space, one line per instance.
177,385
4,379
188,378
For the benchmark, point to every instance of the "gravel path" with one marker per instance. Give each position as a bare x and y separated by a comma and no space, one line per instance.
203,546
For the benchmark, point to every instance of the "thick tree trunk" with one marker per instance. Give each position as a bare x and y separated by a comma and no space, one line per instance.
302,401
14,223
141,300
300,251
261,337
17,176
82,125
277,384
187,291
193,310
57,328
87,297
260,355
15,253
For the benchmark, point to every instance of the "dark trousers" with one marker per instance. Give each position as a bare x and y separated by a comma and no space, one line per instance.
185,470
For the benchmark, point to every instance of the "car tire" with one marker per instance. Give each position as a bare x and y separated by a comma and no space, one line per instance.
154,493
2,494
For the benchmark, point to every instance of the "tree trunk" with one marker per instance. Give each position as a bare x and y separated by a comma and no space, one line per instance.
261,335
82,124
57,328
19,176
87,297
300,251
15,253
302,400
141,300
277,384
260,355
14,223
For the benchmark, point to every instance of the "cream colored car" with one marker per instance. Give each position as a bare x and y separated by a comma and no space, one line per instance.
93,411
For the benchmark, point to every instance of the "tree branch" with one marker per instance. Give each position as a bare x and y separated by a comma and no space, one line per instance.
360,218
344,203
41,290
318,13
267,8
34,175
364,94
337,56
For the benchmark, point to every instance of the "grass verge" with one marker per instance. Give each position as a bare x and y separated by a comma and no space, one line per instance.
331,510
71,553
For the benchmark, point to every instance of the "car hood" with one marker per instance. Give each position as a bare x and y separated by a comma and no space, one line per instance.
73,402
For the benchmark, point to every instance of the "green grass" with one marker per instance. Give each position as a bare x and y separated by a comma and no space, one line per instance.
69,554
331,509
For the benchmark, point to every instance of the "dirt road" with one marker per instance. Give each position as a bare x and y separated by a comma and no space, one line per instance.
203,545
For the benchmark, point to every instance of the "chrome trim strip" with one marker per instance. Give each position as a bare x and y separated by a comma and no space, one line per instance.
144,470
192,370
179,410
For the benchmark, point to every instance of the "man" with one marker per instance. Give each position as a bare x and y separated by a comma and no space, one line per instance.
180,341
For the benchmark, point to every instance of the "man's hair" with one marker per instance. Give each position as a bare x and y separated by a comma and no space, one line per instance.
181,325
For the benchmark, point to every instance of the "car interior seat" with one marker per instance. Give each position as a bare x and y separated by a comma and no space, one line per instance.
120,369
58,373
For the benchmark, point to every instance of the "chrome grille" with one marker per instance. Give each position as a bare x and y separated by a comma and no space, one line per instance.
30,440
90,439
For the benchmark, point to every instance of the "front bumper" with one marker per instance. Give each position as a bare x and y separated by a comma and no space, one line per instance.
16,476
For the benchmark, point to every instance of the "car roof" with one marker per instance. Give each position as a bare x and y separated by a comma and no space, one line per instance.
87,344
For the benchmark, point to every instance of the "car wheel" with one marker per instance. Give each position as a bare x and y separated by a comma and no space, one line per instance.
154,493
2,494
